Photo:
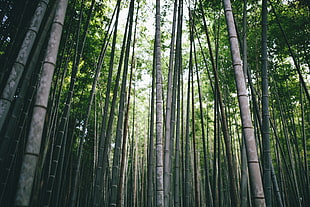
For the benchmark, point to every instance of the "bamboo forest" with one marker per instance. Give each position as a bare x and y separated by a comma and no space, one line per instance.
154,103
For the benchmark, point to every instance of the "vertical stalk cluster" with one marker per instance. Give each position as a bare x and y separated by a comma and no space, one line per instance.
36,127
77,127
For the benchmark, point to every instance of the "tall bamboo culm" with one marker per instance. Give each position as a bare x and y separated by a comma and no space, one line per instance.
17,71
159,112
37,123
265,110
243,99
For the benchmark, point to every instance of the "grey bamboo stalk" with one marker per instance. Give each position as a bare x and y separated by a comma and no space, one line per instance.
33,145
187,180
25,84
191,81
150,158
159,112
244,167
11,133
243,99
8,93
168,122
244,176
177,197
176,106
265,110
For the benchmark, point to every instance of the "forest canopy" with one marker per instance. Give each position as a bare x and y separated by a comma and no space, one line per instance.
154,103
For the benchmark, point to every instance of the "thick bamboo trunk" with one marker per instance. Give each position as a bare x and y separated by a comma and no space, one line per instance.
37,123
159,112
244,168
12,139
17,71
169,122
253,163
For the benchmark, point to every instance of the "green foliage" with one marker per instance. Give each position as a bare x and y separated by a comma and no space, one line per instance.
294,19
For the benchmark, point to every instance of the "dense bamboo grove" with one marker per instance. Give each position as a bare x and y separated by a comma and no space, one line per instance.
161,103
